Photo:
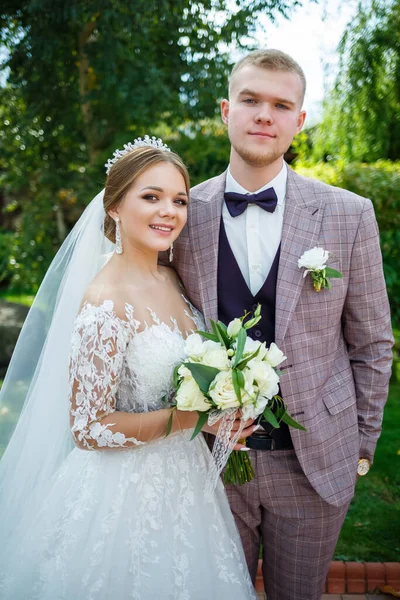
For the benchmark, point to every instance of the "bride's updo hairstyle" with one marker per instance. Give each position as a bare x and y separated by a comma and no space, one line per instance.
124,172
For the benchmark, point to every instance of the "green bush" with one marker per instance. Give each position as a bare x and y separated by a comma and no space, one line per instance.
26,253
6,243
380,182
204,147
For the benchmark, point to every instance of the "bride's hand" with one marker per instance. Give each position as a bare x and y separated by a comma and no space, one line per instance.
248,429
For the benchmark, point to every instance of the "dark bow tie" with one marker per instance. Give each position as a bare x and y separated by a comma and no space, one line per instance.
237,203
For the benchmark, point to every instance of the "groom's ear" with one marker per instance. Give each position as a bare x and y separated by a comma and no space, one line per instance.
300,121
225,111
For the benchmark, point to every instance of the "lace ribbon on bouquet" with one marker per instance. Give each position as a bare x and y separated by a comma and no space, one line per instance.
223,444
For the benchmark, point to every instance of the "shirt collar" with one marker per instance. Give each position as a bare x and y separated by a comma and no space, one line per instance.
278,183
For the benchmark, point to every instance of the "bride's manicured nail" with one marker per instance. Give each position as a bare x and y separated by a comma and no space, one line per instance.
244,449
256,427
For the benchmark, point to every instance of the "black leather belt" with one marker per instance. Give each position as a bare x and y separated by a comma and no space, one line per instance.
256,442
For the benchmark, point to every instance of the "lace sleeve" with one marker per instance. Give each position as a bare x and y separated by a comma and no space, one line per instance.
98,349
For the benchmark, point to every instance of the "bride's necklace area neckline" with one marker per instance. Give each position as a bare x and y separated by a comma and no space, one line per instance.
108,306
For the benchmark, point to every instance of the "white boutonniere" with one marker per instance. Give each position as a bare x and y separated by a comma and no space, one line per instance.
314,262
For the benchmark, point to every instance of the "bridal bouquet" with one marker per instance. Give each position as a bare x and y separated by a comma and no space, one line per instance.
226,371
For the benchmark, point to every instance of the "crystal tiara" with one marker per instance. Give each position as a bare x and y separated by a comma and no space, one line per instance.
153,142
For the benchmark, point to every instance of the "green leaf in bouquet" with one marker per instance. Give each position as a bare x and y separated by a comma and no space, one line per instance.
169,424
332,273
202,374
208,336
241,341
203,416
175,376
279,412
240,378
223,327
286,418
236,385
270,417
224,333
219,332
245,361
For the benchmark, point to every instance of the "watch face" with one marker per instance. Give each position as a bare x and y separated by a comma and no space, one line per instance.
363,467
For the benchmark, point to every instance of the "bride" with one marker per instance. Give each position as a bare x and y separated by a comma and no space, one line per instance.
122,514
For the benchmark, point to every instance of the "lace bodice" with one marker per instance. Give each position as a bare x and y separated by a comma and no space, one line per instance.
120,365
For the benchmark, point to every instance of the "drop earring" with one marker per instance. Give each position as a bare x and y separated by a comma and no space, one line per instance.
171,252
118,243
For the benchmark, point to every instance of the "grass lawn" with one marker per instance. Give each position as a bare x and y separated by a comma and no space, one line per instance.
25,299
371,531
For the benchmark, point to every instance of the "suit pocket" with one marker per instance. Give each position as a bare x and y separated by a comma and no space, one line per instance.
339,394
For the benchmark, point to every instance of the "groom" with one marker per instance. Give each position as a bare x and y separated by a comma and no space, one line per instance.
246,231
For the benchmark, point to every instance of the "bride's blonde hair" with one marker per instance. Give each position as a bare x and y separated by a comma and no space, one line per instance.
124,172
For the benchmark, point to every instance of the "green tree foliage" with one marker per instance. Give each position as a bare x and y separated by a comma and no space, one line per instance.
362,115
204,147
82,78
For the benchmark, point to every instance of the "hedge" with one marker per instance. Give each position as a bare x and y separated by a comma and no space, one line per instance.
380,182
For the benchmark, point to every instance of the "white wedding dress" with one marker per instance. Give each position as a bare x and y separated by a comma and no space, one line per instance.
130,521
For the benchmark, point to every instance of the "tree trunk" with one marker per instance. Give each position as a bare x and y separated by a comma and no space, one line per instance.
84,86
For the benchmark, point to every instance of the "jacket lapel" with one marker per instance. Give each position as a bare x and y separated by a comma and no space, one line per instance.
204,225
301,226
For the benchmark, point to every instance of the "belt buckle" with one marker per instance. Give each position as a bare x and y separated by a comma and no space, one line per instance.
264,440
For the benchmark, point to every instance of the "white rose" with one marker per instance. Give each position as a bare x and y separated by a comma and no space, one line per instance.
215,355
222,391
248,384
314,259
234,327
252,345
249,411
249,407
274,356
183,371
190,397
265,377
194,345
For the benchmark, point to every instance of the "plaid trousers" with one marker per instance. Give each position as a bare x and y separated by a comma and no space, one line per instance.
298,529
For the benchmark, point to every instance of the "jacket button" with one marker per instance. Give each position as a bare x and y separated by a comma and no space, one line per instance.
258,333
254,306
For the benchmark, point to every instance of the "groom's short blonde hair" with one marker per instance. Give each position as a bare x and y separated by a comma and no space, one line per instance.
273,60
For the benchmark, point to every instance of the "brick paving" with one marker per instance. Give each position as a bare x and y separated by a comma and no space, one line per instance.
261,596
354,581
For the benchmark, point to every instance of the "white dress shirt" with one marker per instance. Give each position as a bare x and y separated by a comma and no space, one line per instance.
255,235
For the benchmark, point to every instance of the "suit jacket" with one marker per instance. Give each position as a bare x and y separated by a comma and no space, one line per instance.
337,342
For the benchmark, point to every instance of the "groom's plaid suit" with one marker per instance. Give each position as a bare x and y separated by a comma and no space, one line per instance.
338,342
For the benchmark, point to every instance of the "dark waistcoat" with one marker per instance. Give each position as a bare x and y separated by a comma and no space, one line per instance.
235,297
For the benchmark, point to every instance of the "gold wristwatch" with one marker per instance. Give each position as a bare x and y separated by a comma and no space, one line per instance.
363,466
